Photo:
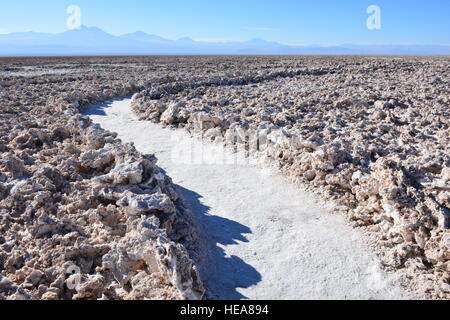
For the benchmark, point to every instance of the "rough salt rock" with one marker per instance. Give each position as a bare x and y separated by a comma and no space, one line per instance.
124,173
202,121
136,96
98,159
375,160
147,248
96,137
324,104
12,166
136,204
170,115
64,176
91,287
6,285
310,175
380,105
34,278
446,174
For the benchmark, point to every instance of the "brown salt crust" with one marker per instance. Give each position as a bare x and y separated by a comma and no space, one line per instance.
73,198
371,133
381,155
93,203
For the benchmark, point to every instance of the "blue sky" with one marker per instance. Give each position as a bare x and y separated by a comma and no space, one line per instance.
286,21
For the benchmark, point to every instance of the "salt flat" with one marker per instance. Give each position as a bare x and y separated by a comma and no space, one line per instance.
265,239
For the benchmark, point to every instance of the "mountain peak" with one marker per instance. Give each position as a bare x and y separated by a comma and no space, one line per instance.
85,29
143,36
93,40
186,39
140,33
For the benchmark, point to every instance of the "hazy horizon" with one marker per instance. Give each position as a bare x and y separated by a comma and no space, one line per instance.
94,41
235,27
290,22
228,41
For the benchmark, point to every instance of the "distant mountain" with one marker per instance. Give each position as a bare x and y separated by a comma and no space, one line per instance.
88,38
144,37
94,41
186,40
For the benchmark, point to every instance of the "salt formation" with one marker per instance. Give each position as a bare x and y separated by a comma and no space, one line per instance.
84,216
371,133
377,147
108,211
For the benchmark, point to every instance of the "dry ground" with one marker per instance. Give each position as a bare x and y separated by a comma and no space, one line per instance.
370,133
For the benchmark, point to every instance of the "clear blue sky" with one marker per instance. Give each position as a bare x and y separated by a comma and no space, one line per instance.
286,21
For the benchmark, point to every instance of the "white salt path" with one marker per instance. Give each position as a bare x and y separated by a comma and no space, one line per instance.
265,238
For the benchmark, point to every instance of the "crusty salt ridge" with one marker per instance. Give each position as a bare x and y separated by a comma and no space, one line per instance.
84,216
342,112
116,220
266,239
380,152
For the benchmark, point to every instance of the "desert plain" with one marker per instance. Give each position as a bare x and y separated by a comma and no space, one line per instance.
85,215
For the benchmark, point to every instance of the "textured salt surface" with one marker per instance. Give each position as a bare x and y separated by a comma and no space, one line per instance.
265,239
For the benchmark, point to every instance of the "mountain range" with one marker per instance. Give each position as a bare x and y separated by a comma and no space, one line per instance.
94,41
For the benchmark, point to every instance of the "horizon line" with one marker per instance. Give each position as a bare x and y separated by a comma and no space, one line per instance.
7,32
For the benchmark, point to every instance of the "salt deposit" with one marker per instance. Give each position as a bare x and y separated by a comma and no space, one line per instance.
265,239
368,134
